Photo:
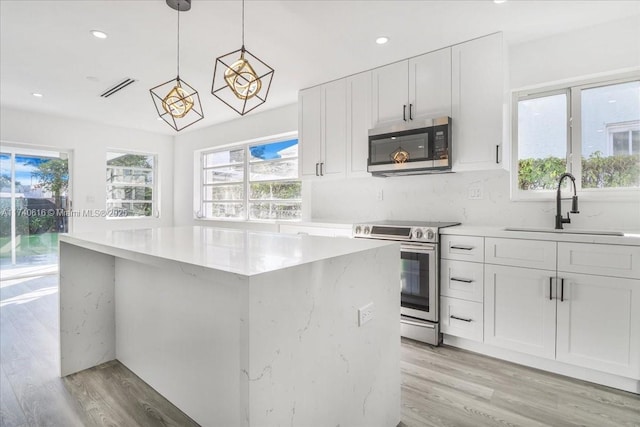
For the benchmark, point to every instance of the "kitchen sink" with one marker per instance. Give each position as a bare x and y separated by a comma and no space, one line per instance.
566,231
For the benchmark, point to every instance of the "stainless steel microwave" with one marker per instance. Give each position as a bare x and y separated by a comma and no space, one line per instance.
410,148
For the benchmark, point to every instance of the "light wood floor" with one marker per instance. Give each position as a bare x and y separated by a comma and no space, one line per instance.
441,386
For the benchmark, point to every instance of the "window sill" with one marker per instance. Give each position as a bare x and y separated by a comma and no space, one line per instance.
621,195
248,221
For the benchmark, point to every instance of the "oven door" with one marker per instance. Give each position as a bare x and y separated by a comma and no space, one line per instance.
419,281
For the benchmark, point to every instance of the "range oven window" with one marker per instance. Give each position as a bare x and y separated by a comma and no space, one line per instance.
414,276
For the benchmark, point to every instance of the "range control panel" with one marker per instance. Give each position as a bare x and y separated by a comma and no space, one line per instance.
400,233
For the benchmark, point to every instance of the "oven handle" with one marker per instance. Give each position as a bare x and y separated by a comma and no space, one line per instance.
422,249
424,325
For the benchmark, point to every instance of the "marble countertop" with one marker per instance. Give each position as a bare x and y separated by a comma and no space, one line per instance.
328,223
231,250
566,235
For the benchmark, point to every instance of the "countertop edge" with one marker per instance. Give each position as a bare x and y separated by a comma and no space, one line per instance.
500,232
92,241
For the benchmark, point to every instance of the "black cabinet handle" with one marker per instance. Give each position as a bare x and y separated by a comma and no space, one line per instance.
497,152
464,248
317,174
455,279
321,171
410,111
550,288
460,318
404,112
561,290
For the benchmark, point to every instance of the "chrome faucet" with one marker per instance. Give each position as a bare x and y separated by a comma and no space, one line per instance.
574,202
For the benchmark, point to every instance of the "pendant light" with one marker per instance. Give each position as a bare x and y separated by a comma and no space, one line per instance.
177,103
240,79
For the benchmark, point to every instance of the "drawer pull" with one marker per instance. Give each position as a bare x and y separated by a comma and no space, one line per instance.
460,318
464,248
455,279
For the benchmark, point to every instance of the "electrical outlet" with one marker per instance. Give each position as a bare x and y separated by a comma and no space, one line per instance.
380,195
365,314
475,191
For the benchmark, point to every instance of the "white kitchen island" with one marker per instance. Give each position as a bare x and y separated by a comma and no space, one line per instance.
239,328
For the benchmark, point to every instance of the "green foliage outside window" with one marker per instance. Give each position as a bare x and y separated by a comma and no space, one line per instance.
276,190
597,172
540,174
613,171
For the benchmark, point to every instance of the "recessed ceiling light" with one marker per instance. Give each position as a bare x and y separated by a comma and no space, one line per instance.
99,34
499,1
612,101
382,40
37,95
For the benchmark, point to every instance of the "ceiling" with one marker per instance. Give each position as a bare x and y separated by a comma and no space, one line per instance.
47,48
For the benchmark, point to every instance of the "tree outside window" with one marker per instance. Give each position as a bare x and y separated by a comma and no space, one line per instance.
130,185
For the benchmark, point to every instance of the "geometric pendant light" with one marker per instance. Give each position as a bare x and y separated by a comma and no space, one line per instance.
240,79
177,103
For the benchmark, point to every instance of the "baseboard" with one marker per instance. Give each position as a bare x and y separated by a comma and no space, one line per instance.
585,374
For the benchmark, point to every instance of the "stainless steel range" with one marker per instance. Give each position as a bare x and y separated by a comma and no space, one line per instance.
419,277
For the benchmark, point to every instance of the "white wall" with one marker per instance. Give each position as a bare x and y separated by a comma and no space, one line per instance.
252,126
89,143
593,50
590,51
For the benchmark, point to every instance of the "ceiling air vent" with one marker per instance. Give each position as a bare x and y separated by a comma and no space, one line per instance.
117,87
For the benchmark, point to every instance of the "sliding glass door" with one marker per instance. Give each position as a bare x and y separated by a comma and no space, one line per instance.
34,208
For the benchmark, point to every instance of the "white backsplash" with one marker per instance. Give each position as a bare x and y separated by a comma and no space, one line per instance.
446,197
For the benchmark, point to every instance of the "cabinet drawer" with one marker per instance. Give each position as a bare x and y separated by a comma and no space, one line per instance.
460,279
605,260
461,318
521,253
462,248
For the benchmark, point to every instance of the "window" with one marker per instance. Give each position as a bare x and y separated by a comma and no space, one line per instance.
591,130
624,138
252,182
130,185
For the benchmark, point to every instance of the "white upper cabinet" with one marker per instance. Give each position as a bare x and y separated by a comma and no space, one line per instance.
358,123
310,130
322,129
390,91
413,89
465,82
334,127
478,105
430,84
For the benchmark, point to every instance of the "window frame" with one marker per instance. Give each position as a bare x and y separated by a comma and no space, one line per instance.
246,201
155,197
573,89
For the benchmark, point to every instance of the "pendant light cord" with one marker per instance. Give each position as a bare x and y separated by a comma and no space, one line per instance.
178,59
242,24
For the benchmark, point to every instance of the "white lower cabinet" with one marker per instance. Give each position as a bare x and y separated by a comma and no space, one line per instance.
462,287
585,320
461,318
598,324
518,312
